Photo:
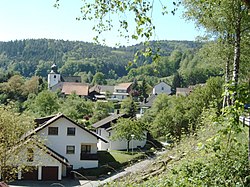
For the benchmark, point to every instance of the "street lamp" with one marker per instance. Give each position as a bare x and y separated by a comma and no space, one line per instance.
132,136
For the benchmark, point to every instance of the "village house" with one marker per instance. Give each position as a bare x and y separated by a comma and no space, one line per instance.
122,91
105,129
183,91
145,105
67,146
161,88
188,90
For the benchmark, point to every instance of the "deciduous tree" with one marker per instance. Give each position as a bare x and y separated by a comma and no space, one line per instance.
128,129
12,127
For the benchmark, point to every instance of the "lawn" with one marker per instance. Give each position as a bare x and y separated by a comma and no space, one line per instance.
124,157
111,162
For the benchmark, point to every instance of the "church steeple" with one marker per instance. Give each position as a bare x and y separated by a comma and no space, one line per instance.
54,69
53,77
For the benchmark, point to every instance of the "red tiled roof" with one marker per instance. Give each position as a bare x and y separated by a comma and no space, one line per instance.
77,88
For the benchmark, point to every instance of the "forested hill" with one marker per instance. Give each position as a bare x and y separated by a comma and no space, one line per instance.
35,56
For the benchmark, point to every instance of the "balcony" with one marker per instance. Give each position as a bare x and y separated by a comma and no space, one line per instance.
88,156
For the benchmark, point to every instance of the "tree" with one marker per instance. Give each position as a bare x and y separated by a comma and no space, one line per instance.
143,90
135,89
128,106
99,78
177,82
45,103
12,127
226,19
76,108
31,86
128,129
101,110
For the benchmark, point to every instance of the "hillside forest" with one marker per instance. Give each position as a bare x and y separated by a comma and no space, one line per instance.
25,65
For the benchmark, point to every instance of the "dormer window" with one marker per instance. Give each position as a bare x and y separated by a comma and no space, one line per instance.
53,131
71,131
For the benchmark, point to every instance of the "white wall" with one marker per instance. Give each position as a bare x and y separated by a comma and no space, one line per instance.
60,141
53,79
162,87
101,144
118,144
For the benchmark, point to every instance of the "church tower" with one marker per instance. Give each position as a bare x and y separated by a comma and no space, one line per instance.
53,77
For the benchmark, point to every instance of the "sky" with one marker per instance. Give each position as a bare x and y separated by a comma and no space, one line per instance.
33,19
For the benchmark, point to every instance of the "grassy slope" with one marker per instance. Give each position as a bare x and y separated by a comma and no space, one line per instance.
189,150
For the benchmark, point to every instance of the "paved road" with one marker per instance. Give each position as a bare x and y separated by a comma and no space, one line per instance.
140,166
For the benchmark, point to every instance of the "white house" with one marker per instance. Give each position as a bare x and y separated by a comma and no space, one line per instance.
122,91
104,129
68,146
145,105
160,88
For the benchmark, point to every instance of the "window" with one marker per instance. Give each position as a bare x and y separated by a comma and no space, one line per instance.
30,155
54,76
71,131
162,88
53,131
70,149
85,149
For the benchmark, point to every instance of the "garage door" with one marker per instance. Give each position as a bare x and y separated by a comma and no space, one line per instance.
50,173
31,174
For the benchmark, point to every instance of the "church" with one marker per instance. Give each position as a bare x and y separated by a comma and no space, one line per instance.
66,85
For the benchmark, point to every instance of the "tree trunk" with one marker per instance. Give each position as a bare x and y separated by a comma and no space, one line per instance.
226,101
236,63
128,145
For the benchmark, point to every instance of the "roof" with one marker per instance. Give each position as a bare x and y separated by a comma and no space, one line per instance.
56,117
149,102
106,121
183,91
105,88
123,85
43,147
40,121
95,88
162,82
74,87
71,79
56,155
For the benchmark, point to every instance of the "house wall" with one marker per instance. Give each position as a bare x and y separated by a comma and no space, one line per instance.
101,144
117,144
119,96
59,142
162,87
